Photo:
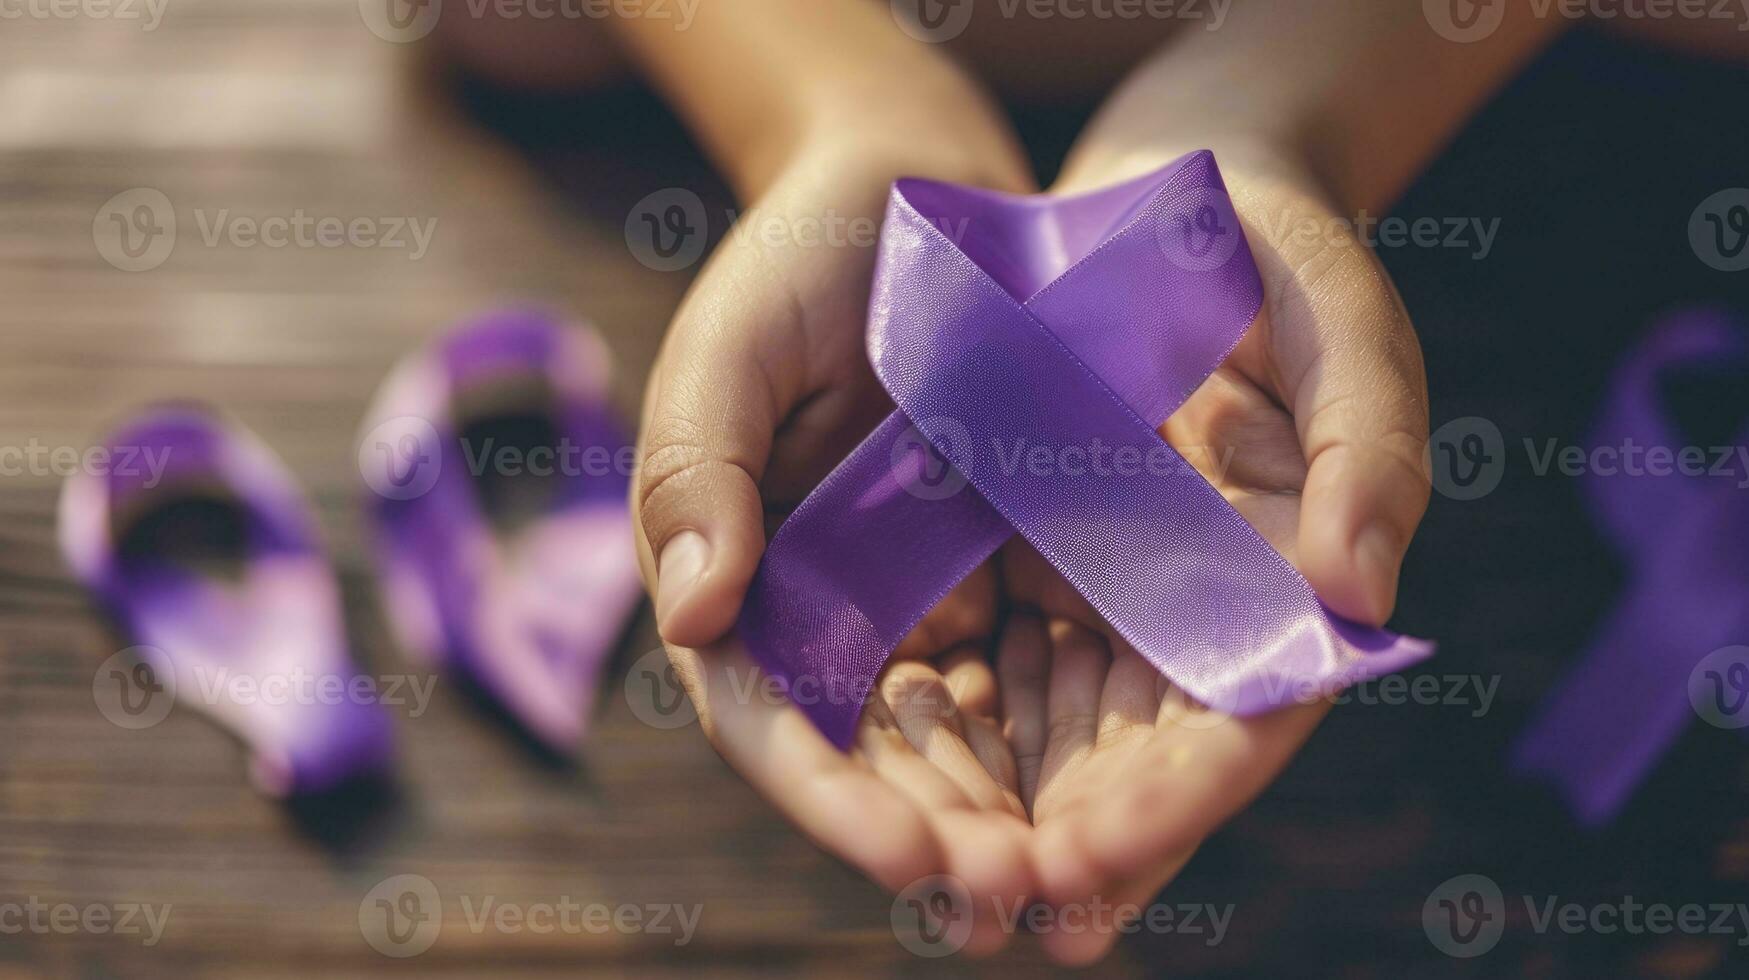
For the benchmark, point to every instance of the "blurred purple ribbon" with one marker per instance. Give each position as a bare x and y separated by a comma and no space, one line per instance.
1664,655
1033,345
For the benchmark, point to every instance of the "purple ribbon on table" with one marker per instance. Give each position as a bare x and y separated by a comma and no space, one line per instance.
1012,331
528,615
1665,654
236,650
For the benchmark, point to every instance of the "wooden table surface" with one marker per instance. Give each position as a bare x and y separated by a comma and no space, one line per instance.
267,106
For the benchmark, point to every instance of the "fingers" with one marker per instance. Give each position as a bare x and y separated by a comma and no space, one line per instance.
1187,781
837,801
946,771
1023,667
1083,947
914,737
1361,507
973,684
1129,702
715,399
1079,660
1352,376
1236,435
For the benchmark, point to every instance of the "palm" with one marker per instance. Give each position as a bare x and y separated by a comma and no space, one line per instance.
1065,769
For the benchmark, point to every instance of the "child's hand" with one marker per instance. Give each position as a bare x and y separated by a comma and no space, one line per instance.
1314,430
763,382
762,386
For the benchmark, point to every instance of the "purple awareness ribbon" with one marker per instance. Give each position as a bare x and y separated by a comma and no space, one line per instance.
235,650
1009,329
1648,672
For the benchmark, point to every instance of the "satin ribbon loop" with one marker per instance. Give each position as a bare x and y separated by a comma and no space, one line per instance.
1646,674
1033,346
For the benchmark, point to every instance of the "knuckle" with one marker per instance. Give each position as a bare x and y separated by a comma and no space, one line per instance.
1071,726
916,688
679,467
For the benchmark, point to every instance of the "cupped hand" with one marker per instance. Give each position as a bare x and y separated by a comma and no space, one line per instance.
1068,771
762,386
1314,430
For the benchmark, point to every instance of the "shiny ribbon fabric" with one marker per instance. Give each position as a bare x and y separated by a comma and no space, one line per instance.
1033,345
205,638
529,616
1643,680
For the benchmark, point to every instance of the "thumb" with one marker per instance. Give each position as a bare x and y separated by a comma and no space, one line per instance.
709,418
1360,404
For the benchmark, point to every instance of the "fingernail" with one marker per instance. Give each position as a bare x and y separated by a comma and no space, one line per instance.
1378,559
678,570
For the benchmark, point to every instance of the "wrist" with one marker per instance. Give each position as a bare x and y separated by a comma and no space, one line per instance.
1257,162
933,128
